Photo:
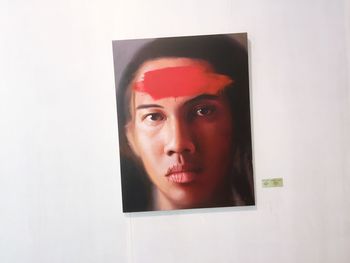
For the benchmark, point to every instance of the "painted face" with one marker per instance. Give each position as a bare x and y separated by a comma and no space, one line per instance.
182,131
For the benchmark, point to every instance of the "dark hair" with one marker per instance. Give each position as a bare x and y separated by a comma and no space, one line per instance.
227,56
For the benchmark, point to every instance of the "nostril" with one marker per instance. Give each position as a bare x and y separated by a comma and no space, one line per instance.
186,146
185,150
170,153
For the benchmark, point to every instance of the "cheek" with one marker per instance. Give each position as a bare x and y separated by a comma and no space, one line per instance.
217,138
216,151
151,156
150,145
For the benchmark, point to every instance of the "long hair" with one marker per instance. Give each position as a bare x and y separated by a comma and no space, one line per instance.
228,57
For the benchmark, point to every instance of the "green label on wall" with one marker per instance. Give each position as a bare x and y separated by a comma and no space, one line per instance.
273,182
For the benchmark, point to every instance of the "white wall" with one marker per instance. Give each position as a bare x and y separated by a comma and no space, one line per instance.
60,198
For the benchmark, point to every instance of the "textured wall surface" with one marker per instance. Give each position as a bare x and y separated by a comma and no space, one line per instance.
60,198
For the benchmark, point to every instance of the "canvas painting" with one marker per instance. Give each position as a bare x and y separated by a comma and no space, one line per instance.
184,126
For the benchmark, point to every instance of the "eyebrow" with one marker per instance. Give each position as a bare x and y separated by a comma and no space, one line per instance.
202,97
191,101
146,106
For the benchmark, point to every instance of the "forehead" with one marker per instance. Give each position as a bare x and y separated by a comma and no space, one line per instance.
177,77
168,62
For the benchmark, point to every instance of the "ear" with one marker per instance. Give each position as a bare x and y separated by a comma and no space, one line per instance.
129,131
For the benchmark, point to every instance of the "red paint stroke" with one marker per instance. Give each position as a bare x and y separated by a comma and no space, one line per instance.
181,81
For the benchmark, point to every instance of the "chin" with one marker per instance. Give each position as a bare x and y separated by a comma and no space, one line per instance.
187,200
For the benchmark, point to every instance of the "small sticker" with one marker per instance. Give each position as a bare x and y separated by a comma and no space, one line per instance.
273,182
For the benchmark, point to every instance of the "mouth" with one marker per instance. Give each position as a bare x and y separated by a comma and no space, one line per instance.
182,174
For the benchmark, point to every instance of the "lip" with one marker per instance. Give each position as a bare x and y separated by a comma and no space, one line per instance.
182,174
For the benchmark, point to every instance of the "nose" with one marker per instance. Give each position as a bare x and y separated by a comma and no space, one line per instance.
179,139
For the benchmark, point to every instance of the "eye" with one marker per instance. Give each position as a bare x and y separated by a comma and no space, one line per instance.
154,117
203,111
